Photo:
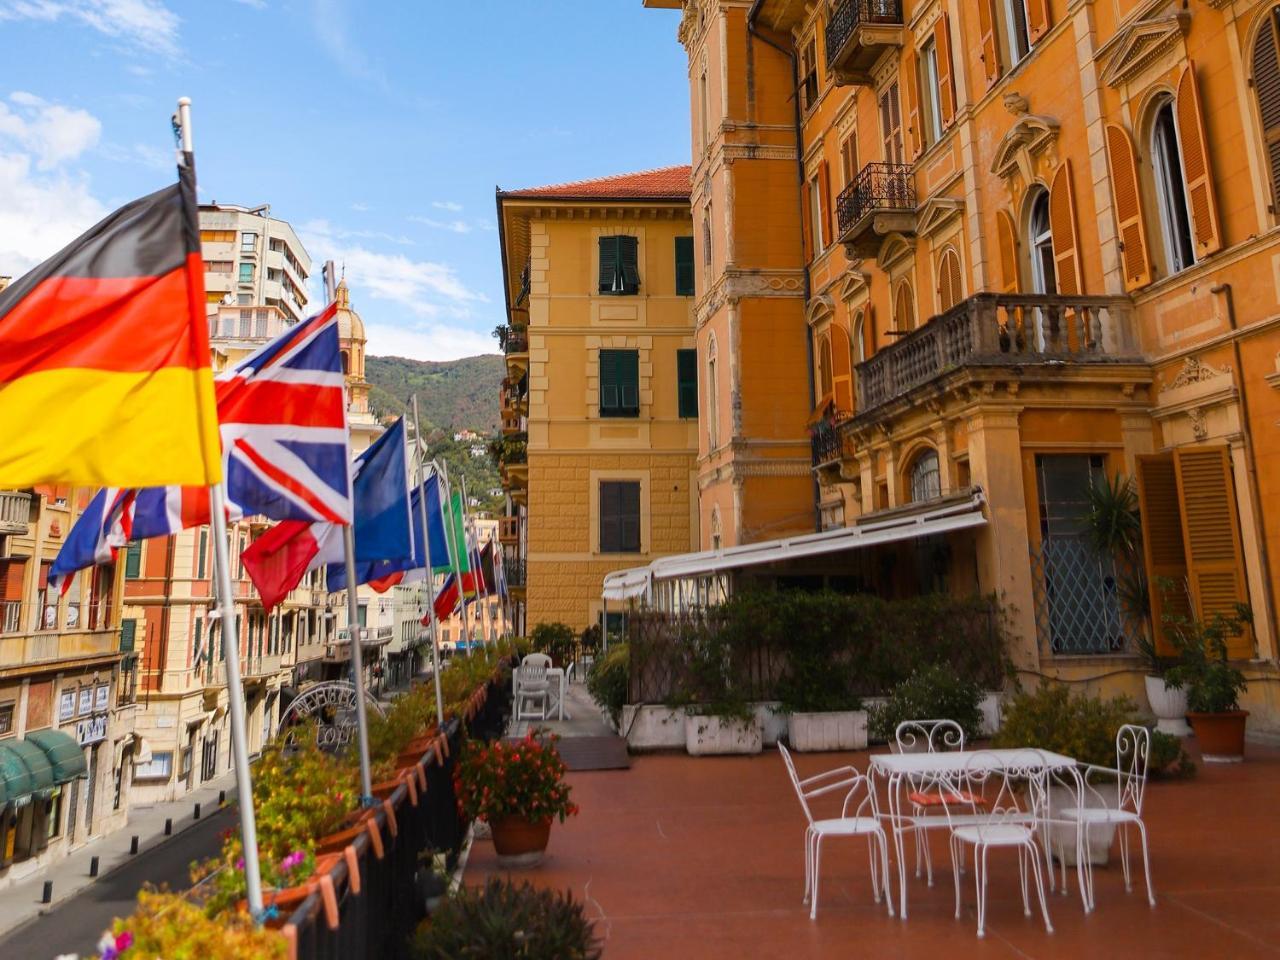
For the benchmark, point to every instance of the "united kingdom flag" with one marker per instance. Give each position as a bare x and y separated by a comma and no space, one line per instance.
283,419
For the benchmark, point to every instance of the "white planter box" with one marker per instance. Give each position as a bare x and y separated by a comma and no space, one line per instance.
709,736
838,730
650,727
1169,705
773,724
1062,836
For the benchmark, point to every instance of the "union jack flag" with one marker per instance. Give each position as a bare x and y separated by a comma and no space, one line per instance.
283,419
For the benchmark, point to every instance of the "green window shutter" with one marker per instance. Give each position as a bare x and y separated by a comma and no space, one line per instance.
201,556
608,264
687,380
133,561
629,263
629,517
128,630
609,534
608,383
620,516
628,369
684,266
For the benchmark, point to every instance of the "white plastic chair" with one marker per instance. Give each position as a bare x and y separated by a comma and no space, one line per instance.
865,822
926,736
1005,820
1133,747
533,687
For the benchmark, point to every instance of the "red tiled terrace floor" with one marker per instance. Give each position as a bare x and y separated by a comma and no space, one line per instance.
704,858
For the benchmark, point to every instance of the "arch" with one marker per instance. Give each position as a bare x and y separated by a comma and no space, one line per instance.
1264,77
346,363
923,475
841,369
824,366
1036,228
713,394
820,308
858,339
1168,183
904,307
950,279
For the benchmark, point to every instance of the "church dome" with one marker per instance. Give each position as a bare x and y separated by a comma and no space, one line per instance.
350,326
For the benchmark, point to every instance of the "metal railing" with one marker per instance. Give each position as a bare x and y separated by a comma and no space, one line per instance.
515,571
15,511
1077,600
851,14
878,186
517,340
999,328
508,529
825,442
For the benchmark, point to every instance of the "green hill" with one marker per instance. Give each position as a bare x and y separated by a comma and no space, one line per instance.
454,394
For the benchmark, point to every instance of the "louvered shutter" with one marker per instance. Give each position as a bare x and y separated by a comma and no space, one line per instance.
687,382
608,264
950,286
628,262
806,229
1038,22
684,266
629,516
824,199
128,633
1266,87
1062,225
990,41
903,314
1162,544
133,561
608,383
627,366
841,369
1124,190
946,76
1007,242
913,105
610,538
1195,165
1211,533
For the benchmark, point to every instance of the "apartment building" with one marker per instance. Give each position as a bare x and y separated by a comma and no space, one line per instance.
252,260
1032,242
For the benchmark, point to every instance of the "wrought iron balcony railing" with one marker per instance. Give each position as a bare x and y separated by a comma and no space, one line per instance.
878,186
515,570
848,55
997,328
825,442
517,341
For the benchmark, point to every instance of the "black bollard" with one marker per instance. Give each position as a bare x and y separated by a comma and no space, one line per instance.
168,826
93,866
222,797
196,815
133,845
47,895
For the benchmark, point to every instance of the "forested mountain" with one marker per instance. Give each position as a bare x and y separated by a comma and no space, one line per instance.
454,394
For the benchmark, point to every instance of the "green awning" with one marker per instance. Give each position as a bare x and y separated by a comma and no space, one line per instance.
64,755
24,769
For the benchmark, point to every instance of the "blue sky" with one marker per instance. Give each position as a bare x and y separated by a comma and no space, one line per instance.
377,128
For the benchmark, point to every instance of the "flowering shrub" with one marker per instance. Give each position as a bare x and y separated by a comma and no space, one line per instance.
520,779
170,926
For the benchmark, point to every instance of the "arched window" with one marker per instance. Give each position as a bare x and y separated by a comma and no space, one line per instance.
1040,245
1171,190
950,285
904,308
926,480
858,342
824,365
346,362
1266,87
716,531
713,396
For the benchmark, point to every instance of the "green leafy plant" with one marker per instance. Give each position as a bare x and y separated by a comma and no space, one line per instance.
591,637
170,925
932,693
607,683
1080,726
1113,526
555,640
1167,759
502,920
410,715
1213,685
521,779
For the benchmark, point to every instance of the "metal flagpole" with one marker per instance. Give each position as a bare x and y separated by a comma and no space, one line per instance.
230,637
477,574
426,552
457,563
353,619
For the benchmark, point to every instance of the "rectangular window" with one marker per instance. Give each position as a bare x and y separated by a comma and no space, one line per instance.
619,383
687,382
620,516
1064,482
706,235
217,236
202,554
1019,35
240,560
197,643
218,266
849,158
133,561
684,266
184,765
6,718
246,273
815,216
160,767
931,98
891,123
619,265
248,243
128,635
809,75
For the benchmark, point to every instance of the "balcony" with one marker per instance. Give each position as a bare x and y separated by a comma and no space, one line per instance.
825,443
515,344
339,651
880,201
858,32
25,649
514,396
262,667
15,511
515,571
1000,330
509,530
513,461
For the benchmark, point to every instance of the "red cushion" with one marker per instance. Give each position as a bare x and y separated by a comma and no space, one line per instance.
922,798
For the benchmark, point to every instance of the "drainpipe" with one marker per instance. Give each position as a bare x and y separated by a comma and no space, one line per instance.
790,54
1251,462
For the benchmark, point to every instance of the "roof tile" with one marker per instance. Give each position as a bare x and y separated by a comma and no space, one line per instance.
662,183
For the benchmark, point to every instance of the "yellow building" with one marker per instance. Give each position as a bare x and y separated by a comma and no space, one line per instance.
1033,242
601,403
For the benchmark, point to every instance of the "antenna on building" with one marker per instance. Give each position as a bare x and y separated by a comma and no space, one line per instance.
326,272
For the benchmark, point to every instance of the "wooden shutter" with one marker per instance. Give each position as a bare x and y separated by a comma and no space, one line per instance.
133,561
990,42
608,383
1062,226
1124,191
627,367
1162,544
1038,22
849,158
806,229
608,263
824,199
684,267
629,516
1211,533
1195,165
913,105
628,261
950,286
1007,242
841,369
1266,87
609,533
128,633
903,314
946,76
687,382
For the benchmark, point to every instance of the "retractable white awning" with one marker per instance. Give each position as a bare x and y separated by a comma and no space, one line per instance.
944,518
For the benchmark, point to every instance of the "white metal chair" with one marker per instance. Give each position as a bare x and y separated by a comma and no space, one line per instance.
1123,808
533,687
927,736
1007,820
865,822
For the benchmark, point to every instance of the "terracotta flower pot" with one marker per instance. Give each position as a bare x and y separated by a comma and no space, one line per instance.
1220,735
520,841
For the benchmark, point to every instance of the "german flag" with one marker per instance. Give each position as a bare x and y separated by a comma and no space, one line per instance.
104,356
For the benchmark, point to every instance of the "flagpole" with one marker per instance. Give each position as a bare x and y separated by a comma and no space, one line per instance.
230,636
484,609
457,563
353,622
426,553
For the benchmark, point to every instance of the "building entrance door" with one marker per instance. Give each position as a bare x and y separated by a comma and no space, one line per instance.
209,759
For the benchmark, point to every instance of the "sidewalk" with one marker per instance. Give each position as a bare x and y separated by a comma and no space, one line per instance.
20,902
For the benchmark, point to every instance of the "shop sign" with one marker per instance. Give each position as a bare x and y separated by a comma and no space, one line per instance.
91,730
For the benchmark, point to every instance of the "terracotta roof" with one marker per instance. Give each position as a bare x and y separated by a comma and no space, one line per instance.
665,183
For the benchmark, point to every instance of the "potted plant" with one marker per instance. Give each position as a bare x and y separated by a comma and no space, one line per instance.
608,680
501,919
1212,684
555,640
932,693
517,788
173,925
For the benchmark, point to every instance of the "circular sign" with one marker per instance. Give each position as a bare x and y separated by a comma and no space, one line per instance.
331,708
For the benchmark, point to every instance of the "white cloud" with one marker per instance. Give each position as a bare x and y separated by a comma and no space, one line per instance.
447,205
144,154
324,228
453,226
147,24
50,132
360,207
256,4
330,20
431,341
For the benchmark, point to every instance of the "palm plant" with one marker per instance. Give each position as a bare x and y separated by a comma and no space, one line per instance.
1113,526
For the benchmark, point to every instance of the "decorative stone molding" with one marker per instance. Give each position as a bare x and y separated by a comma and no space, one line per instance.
1199,429
1136,46
857,287
1273,379
1195,371
937,213
1030,136
893,251
819,309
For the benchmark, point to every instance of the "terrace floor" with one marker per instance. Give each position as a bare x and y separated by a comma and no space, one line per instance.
684,857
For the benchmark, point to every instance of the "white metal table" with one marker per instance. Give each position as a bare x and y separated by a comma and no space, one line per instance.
915,768
555,675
